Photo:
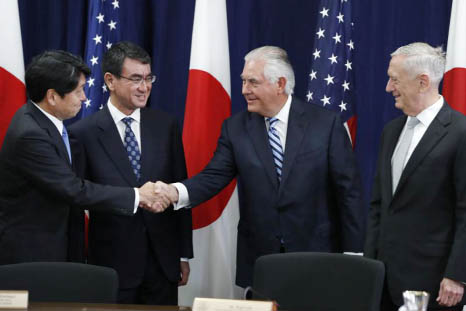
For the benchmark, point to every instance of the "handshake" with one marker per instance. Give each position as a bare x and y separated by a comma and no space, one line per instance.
156,197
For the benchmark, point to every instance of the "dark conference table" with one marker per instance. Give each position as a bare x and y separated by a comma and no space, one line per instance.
68,306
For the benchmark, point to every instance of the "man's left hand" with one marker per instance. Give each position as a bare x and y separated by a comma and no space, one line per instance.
450,293
184,267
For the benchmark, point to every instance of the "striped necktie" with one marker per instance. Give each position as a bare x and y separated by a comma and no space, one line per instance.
276,146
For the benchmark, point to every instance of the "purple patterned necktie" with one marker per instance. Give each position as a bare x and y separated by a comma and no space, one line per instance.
132,147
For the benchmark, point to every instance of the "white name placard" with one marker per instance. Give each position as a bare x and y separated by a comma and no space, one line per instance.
14,299
212,304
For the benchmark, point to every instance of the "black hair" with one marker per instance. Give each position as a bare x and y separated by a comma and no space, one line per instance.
113,59
58,70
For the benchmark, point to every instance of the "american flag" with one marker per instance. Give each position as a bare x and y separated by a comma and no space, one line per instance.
331,76
103,31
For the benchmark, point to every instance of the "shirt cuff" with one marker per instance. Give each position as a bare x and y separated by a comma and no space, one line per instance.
184,259
183,197
136,200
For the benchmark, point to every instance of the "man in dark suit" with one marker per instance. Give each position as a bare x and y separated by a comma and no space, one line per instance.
417,223
302,193
38,184
146,249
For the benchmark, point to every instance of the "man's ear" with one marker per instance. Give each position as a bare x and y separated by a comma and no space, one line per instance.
51,97
424,82
110,81
281,85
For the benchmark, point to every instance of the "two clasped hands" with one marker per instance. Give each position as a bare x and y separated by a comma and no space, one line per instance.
156,197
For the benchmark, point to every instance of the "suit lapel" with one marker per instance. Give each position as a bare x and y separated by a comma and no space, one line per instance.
148,134
294,137
111,141
434,133
392,140
46,124
258,133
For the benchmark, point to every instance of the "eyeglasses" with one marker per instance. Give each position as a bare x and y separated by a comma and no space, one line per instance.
137,80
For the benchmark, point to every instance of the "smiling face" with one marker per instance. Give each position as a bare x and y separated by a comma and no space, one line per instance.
262,96
404,87
126,95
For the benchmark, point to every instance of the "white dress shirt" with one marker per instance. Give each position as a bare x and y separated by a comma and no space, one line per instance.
118,117
425,118
58,123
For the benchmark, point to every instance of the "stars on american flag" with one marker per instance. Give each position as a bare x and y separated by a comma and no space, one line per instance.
331,73
87,103
94,60
320,33
348,65
325,100
324,12
103,32
97,39
345,86
309,95
100,18
329,79
90,82
333,59
340,18
112,25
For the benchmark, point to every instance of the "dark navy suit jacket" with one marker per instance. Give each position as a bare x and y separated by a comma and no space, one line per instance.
316,207
419,232
122,242
37,188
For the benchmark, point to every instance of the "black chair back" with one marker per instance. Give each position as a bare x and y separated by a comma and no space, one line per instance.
320,281
61,281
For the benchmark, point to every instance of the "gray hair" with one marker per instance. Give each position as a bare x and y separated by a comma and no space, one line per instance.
277,65
421,58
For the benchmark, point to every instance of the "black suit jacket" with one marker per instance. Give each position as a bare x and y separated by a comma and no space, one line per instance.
37,188
121,242
420,231
316,207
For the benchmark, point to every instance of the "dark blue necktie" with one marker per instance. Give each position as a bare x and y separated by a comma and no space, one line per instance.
64,136
276,146
132,147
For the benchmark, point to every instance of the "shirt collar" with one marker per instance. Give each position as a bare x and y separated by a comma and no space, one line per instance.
117,115
284,113
57,122
427,115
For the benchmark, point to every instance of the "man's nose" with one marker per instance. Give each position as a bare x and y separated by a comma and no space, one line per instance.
389,86
245,89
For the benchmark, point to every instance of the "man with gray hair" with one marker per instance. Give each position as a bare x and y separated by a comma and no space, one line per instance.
297,178
417,221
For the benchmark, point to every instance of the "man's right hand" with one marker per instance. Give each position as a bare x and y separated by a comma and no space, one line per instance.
170,191
153,198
